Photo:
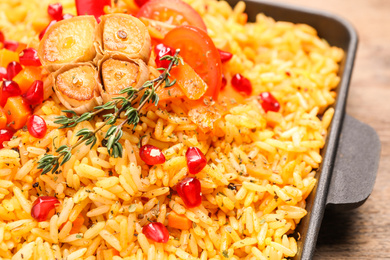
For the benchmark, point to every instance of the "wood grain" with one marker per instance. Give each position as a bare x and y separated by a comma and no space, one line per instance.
363,233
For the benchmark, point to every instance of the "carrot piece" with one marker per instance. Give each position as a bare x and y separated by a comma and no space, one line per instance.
27,76
108,254
179,221
7,56
3,119
17,111
170,93
189,81
77,224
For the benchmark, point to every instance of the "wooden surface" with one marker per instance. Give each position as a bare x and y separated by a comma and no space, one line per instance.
363,233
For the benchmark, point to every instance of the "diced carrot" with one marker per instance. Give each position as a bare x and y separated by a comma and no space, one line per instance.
40,22
21,47
108,254
189,81
179,221
27,76
204,117
3,118
77,224
7,56
17,111
230,96
170,93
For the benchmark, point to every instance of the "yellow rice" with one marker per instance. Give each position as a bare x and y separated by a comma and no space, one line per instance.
271,157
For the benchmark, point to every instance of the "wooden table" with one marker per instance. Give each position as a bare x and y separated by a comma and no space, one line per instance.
363,233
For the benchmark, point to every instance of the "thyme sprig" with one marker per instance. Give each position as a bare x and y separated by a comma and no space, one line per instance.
131,104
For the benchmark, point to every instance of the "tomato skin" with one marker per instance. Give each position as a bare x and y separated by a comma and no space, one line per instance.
92,7
199,51
164,10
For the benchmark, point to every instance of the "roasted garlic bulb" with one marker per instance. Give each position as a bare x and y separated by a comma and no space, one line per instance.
77,87
68,41
91,63
119,74
125,35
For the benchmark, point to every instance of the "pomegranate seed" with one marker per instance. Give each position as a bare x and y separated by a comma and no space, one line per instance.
43,208
55,11
67,16
29,57
9,88
224,82
242,84
189,190
225,56
161,50
196,160
41,34
156,232
269,102
3,73
140,3
13,69
36,126
2,38
34,94
11,45
5,135
151,155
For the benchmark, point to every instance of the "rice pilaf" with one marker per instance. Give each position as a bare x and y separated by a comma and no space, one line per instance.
261,166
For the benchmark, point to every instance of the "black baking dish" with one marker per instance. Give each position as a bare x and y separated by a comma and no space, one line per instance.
351,155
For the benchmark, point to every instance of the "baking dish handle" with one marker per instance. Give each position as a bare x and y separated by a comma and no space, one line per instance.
355,167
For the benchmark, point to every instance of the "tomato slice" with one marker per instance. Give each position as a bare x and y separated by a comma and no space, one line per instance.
175,12
199,51
92,7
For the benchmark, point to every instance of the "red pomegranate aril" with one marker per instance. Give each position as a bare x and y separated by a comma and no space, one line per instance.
156,231
3,73
55,11
36,126
34,94
43,208
13,69
225,56
269,102
11,45
224,82
9,88
5,135
151,155
2,38
140,3
161,50
196,160
189,190
29,57
41,34
241,84
67,16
